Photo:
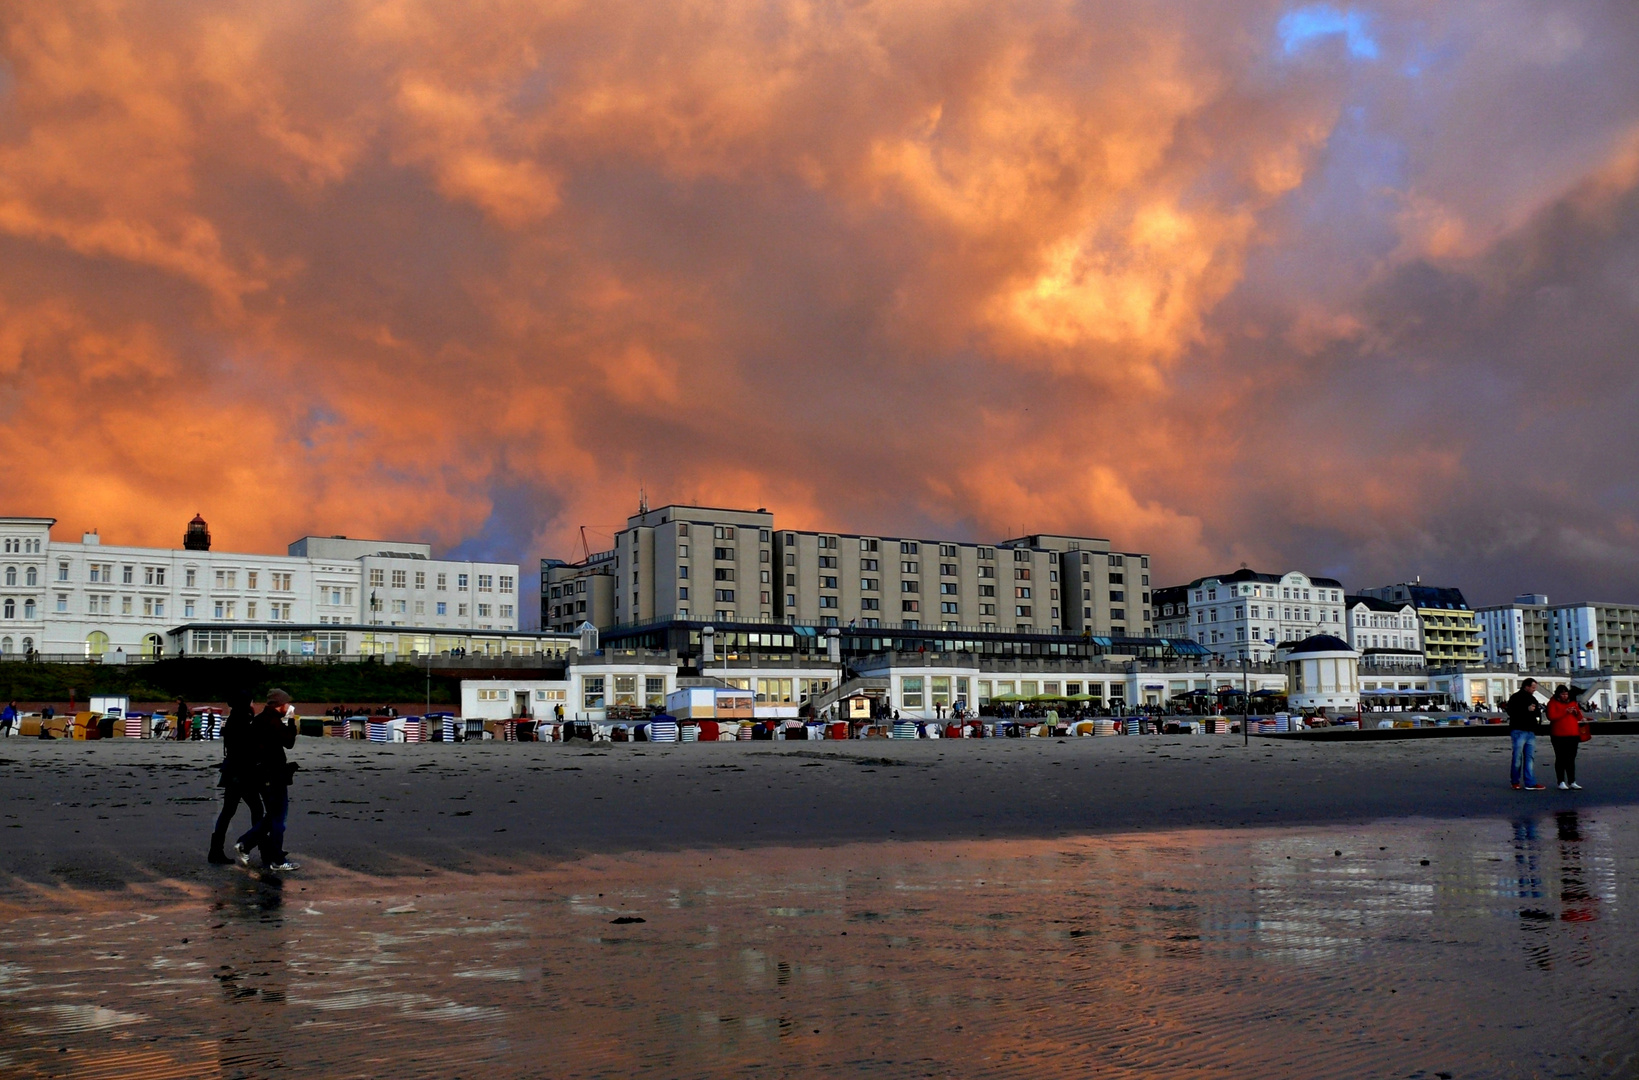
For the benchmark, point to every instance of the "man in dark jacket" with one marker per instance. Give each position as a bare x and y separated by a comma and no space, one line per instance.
274,732
1524,715
239,781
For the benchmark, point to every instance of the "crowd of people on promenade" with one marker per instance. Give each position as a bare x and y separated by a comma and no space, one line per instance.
1567,728
255,772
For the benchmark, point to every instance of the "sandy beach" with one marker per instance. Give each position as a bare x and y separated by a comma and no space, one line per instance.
104,815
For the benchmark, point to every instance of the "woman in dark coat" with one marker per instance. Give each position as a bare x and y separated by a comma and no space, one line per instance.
240,779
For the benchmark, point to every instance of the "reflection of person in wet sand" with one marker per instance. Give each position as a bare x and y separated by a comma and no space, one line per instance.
1577,903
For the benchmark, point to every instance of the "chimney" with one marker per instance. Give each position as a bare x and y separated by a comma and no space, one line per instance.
90,539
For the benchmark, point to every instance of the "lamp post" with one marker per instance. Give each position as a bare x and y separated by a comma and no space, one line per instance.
1246,695
833,648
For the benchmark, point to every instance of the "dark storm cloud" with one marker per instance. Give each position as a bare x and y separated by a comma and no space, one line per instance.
1332,286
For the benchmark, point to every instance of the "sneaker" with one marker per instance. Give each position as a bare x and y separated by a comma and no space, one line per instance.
243,854
1575,786
219,858
285,867
1563,786
1536,787
1518,786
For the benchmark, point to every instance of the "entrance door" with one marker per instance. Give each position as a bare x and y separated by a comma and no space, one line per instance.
520,704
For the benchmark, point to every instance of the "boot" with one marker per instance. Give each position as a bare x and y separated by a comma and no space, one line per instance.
217,857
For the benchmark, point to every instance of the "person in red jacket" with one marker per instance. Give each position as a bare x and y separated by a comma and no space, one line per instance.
1565,722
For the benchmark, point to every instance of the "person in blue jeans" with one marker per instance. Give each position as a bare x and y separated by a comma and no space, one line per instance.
1524,716
275,733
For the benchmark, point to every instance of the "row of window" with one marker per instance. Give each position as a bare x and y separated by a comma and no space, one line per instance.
1287,593
595,695
906,547
401,580
153,607
1291,614
103,573
719,532
440,607
22,545
1404,622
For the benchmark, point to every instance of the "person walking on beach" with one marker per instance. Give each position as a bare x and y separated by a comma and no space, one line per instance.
1565,722
1524,716
239,780
8,716
182,715
275,732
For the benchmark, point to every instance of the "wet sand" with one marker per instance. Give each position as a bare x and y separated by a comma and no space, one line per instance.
1415,948
1166,906
107,815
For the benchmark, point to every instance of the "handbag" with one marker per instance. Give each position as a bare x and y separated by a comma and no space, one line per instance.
1584,730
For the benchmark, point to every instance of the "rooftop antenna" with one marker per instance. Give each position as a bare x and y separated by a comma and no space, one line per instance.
642,500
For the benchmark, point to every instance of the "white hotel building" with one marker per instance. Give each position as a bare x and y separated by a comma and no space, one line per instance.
1245,614
88,598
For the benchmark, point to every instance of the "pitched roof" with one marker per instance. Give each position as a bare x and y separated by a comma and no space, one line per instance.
1372,603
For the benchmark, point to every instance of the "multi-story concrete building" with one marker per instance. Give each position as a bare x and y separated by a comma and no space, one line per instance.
1105,592
842,579
1591,635
1516,635
694,562
1533,635
575,593
680,563
1384,633
91,598
1451,633
1247,614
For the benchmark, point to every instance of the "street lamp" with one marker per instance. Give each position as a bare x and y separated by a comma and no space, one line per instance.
833,649
1246,695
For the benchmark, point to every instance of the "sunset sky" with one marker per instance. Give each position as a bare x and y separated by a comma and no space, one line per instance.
1346,289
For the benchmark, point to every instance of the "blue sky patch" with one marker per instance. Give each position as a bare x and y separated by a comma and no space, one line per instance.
1303,25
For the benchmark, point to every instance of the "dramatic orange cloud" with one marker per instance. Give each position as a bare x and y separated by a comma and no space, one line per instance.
1215,283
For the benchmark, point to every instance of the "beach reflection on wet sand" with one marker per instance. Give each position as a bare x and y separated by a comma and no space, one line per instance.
1425,948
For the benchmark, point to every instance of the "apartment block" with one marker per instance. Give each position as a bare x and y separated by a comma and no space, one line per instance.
1106,593
680,563
841,579
573,593
694,562
1451,632
1535,635
1516,635
1032,584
